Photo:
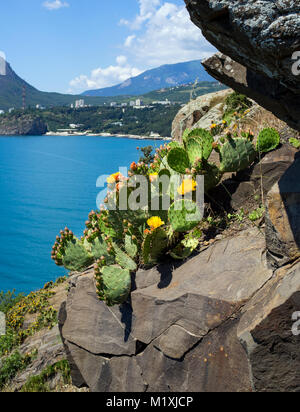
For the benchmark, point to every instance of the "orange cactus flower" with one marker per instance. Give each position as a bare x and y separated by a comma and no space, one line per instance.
133,166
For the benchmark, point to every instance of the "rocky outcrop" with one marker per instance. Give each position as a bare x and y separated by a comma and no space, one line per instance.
211,324
23,126
259,179
283,217
201,112
260,39
269,333
211,108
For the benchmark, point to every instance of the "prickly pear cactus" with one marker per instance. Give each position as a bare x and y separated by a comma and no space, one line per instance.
205,143
178,160
113,284
184,215
70,252
154,246
131,246
97,247
174,145
212,176
268,140
236,155
185,249
194,150
185,135
123,259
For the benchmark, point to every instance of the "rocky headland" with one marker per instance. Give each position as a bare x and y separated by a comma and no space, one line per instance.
22,126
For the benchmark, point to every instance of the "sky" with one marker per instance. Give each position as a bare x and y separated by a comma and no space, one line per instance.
70,46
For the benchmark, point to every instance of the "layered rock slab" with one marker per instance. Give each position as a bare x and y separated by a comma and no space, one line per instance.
266,331
179,334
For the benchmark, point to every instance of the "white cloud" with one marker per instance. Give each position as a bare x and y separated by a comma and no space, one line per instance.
168,36
147,10
105,77
161,33
55,5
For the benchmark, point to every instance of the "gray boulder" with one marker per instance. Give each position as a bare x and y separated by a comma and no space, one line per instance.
260,39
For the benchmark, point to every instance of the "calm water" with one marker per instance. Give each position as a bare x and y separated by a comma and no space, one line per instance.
47,183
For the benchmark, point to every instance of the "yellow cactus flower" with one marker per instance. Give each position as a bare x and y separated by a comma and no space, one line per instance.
213,126
155,222
187,186
114,178
153,177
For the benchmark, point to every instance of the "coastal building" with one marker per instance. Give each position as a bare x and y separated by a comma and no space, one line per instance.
154,135
163,103
11,110
138,102
2,111
132,103
75,126
113,104
79,104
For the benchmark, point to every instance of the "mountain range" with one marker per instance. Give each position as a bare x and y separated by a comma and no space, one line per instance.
155,84
165,76
11,93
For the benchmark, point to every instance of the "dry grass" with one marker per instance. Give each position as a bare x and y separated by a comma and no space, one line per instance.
260,118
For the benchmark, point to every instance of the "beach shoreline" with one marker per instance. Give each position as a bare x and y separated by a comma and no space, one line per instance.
118,135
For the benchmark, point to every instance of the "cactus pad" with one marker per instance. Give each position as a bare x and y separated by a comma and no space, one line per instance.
123,259
204,140
184,215
178,160
113,284
212,176
185,249
154,246
76,257
237,155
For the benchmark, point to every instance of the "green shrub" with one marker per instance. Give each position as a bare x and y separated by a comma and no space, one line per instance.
40,383
237,102
8,300
11,366
268,140
295,143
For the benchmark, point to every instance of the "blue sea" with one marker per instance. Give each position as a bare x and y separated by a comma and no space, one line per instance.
47,183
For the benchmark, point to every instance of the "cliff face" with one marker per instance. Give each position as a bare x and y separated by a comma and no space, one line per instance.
22,126
261,39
